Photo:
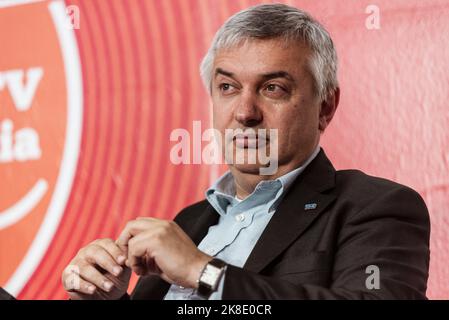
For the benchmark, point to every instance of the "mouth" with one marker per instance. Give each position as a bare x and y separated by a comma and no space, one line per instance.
250,140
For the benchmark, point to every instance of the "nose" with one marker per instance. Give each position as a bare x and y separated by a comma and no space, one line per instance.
248,112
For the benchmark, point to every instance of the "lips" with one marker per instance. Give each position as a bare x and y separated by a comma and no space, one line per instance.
250,140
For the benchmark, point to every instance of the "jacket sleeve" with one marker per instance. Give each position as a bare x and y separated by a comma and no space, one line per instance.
390,233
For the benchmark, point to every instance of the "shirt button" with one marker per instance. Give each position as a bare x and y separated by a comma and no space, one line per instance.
240,217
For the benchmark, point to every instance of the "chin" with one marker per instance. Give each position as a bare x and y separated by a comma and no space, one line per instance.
253,169
247,168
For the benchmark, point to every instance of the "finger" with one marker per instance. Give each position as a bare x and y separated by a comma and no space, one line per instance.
151,266
122,280
74,283
139,267
93,276
97,255
132,229
139,251
113,249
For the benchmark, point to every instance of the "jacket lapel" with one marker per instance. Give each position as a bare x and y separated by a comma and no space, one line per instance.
302,204
290,220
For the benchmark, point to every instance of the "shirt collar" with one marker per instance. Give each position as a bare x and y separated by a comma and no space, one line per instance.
288,178
221,194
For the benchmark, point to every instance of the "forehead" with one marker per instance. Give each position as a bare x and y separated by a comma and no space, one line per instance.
253,57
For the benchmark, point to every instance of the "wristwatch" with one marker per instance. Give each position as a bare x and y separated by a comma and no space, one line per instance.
210,277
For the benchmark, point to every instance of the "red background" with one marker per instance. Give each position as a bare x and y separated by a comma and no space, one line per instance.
140,81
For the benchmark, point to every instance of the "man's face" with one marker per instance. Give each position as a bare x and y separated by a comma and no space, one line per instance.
264,84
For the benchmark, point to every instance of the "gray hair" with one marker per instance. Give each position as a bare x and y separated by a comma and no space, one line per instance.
271,21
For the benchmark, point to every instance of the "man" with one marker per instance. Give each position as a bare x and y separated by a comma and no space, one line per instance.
304,232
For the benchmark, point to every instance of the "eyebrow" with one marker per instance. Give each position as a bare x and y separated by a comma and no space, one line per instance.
277,74
265,76
223,72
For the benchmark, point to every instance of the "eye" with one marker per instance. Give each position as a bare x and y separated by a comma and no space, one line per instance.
275,91
226,88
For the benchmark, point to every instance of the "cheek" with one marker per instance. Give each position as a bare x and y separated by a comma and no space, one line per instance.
298,126
218,117
307,113
222,114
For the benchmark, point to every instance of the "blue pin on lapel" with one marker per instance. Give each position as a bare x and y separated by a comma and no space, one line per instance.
310,206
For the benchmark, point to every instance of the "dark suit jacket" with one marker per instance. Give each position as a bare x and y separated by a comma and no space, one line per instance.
4,295
323,253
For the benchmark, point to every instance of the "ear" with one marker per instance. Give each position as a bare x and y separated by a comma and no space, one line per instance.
327,109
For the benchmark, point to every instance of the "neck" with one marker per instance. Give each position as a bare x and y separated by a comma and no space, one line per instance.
246,181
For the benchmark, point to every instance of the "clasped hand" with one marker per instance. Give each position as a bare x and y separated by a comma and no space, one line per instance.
102,269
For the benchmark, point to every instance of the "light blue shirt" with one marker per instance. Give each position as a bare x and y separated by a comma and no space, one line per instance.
241,222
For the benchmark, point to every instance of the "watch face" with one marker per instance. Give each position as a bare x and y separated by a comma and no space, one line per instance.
210,275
